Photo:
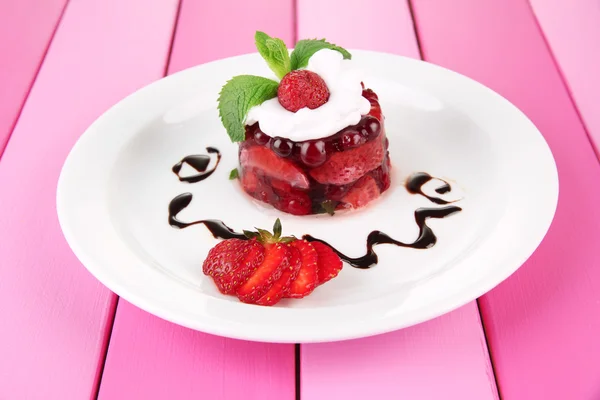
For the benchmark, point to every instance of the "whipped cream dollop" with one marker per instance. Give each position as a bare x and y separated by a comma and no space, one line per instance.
345,106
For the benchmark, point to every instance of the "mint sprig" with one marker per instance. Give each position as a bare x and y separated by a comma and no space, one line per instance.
239,95
304,50
243,92
275,53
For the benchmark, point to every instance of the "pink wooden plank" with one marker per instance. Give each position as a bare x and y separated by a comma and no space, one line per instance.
149,358
379,25
572,30
444,358
54,314
543,322
211,30
26,28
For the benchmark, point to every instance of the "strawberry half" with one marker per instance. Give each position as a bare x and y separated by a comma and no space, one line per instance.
329,264
348,166
283,283
363,192
307,278
230,262
272,165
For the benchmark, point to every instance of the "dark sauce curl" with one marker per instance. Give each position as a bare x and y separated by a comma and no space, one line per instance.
198,162
415,183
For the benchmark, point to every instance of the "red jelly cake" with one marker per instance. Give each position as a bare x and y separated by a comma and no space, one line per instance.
312,140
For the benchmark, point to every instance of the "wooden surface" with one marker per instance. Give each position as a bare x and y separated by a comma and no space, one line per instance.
572,31
26,28
541,324
55,315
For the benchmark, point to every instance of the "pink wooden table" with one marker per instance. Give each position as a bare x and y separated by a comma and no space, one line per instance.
65,336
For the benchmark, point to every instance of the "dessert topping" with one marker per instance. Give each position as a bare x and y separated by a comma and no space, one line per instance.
245,92
302,88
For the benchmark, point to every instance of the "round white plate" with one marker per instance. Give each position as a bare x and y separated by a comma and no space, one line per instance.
117,182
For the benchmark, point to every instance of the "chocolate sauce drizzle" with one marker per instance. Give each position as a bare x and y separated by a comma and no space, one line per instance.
199,162
425,240
415,183
216,227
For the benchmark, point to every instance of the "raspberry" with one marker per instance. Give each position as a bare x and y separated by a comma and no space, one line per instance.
302,88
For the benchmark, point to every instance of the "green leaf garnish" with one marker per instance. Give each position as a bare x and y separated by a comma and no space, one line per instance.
275,53
250,234
239,95
234,174
277,228
266,237
265,234
304,50
329,206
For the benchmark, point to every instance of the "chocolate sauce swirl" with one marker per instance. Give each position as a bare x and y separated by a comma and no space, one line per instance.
200,163
415,183
425,240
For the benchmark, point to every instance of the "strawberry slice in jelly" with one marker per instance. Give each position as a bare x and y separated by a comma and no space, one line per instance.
265,160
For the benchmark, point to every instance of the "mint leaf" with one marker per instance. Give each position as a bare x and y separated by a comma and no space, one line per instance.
275,53
239,95
306,48
234,174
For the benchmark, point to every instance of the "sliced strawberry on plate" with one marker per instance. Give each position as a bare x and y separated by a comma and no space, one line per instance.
265,160
236,278
281,286
363,191
267,267
224,260
307,278
348,166
277,259
329,264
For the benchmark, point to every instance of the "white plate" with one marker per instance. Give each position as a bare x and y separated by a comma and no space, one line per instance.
116,185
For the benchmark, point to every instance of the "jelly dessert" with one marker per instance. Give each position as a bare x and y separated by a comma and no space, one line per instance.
312,141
